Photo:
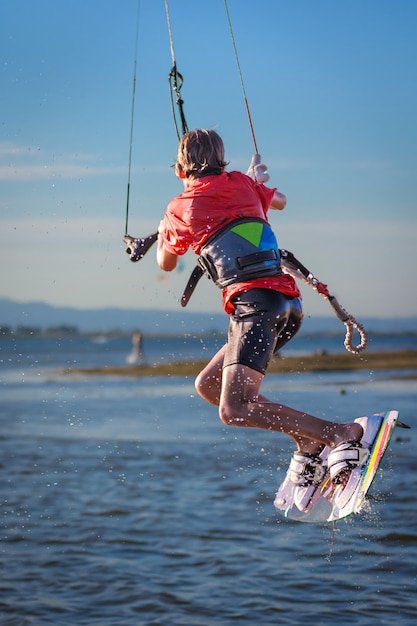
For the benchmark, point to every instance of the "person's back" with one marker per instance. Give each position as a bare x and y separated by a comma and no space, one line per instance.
209,203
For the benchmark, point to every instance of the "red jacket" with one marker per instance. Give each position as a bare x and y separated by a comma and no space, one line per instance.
209,204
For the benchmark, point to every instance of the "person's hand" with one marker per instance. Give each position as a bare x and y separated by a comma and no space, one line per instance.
257,170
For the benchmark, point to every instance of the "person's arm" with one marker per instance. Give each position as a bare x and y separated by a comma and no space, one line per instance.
278,201
166,260
259,172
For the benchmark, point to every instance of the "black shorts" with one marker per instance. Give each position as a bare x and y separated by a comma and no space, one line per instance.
263,321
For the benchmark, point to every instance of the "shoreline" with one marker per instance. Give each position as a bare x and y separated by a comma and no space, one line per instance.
401,360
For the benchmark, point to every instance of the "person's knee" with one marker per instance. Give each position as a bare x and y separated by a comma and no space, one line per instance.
202,387
198,384
208,387
230,415
225,415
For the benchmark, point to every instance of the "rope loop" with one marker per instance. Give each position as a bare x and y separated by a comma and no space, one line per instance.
351,325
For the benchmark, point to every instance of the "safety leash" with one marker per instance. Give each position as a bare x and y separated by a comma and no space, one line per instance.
293,266
137,248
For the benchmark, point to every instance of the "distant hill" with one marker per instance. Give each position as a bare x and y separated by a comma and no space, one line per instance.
42,315
151,321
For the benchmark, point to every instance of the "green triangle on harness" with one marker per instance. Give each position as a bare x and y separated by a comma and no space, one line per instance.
251,231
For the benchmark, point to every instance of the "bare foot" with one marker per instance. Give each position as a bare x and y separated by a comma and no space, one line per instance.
352,431
348,432
309,446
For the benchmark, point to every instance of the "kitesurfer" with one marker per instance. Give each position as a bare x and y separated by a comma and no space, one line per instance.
222,217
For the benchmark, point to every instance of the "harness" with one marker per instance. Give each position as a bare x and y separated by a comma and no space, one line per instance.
242,250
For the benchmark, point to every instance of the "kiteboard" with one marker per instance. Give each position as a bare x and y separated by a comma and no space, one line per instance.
327,503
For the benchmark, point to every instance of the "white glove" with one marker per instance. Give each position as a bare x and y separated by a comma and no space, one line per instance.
257,171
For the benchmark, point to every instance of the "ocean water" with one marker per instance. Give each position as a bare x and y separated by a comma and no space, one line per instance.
125,501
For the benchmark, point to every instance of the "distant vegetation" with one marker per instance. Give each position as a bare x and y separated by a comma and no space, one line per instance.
65,330
36,331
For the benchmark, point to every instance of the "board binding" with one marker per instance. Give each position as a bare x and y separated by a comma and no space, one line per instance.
325,505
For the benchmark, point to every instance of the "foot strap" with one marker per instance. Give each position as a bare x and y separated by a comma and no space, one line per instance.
306,469
345,457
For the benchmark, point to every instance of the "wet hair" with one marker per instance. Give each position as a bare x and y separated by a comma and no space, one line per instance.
201,153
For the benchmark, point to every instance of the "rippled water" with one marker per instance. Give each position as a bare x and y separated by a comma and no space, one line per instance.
126,502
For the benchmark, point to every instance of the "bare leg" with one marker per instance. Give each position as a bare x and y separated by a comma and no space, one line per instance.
241,405
209,381
236,391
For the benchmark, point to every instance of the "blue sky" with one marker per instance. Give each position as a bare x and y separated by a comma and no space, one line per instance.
332,92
